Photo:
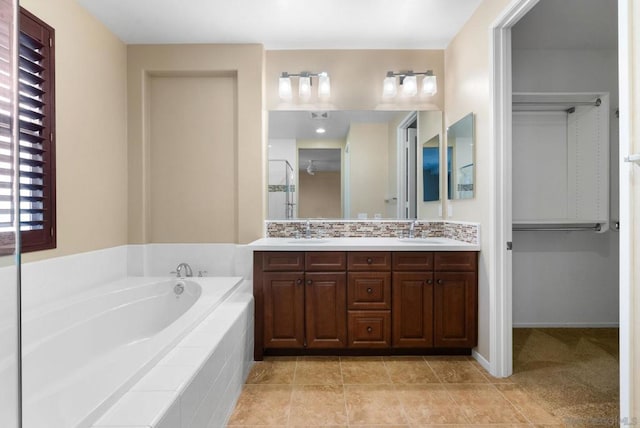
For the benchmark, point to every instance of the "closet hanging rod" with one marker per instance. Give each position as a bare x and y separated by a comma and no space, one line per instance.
595,102
559,228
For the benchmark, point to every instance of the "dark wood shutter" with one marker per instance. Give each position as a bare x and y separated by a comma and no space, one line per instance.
37,133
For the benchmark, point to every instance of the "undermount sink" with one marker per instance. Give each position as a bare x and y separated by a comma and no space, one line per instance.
308,241
423,241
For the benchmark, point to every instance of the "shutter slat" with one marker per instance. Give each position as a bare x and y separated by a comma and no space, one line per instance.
29,174
32,162
30,90
31,198
31,126
31,150
30,42
30,77
31,114
31,138
31,187
30,66
32,102
30,54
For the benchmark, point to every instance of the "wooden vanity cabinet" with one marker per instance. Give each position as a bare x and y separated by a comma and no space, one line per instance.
455,299
369,299
300,300
376,300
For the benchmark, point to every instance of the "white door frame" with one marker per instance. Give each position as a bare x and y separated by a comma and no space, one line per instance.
500,288
627,297
401,137
500,277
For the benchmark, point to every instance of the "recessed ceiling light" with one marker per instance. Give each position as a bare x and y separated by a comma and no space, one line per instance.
320,131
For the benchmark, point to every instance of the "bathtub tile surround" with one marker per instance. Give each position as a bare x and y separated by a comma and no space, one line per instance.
461,231
210,259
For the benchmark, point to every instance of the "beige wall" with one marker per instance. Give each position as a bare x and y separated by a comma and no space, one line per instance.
467,89
319,195
356,77
368,168
192,158
91,143
248,161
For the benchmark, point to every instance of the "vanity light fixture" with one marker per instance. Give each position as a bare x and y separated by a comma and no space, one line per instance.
409,83
305,81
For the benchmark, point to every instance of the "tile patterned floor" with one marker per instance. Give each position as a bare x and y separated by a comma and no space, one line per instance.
554,384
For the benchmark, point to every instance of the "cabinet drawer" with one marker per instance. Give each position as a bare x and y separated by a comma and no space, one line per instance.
456,261
282,261
369,290
325,261
413,260
369,329
369,260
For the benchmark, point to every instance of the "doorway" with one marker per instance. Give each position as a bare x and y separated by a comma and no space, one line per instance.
407,167
503,292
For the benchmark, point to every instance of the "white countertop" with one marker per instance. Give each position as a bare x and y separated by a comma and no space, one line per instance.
361,244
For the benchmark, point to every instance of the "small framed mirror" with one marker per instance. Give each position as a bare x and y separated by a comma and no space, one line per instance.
461,159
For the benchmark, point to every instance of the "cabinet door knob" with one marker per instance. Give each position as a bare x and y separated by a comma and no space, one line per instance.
309,282
369,260
440,281
369,290
299,281
429,281
369,329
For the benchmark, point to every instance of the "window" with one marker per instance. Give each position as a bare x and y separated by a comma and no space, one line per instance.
37,134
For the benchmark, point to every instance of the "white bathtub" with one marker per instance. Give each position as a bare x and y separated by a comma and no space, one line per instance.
80,356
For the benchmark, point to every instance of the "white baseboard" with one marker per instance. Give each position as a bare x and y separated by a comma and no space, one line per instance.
481,360
566,325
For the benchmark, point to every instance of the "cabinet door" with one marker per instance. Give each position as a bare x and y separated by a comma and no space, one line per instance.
455,309
283,309
326,310
412,300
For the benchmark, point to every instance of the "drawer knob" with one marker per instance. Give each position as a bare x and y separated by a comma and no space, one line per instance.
369,329
299,281
369,290
369,260
429,281
309,282
440,281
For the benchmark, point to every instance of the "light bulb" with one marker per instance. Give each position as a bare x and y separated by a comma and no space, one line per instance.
304,87
324,85
410,86
429,85
284,88
389,88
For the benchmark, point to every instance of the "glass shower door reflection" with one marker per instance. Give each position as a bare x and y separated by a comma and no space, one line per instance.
9,254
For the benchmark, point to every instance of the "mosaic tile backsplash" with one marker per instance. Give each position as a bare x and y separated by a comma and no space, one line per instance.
465,232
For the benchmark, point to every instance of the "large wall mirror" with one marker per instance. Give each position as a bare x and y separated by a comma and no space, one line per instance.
461,159
352,164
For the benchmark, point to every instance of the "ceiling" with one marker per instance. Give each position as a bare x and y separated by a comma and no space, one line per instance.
302,125
287,24
568,24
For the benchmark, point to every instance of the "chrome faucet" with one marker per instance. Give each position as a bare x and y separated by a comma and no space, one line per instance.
412,227
307,230
187,270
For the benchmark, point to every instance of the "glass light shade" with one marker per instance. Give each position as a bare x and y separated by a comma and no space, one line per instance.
304,88
324,85
389,88
429,85
410,86
284,88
